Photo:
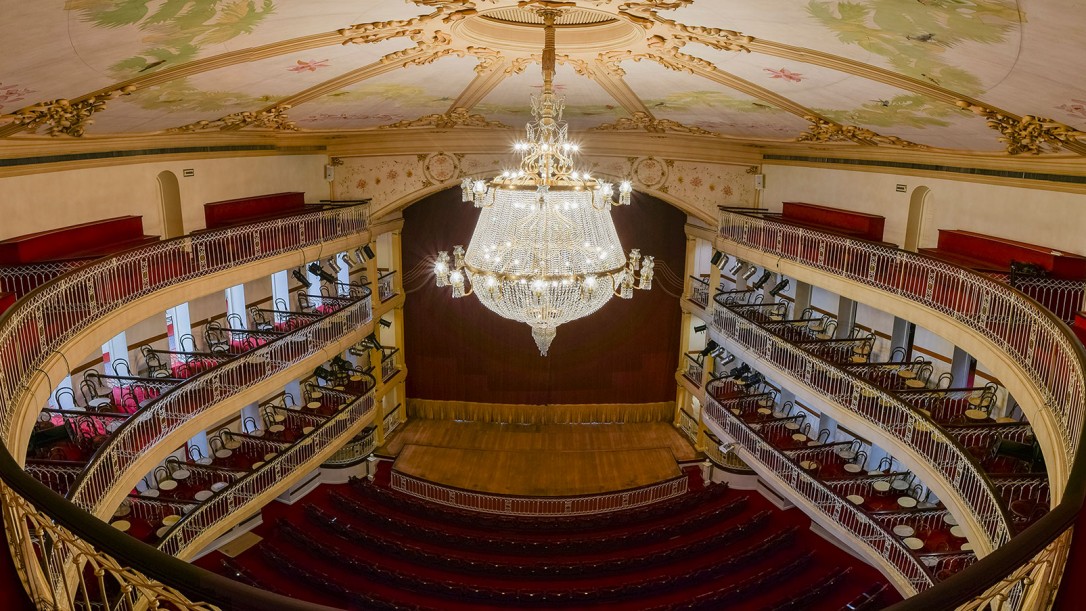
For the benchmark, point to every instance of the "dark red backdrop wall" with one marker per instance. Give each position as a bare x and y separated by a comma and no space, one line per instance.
456,349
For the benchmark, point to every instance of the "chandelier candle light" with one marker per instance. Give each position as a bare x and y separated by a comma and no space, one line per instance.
545,250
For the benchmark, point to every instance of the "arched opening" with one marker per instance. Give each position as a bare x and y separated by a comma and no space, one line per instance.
170,193
915,226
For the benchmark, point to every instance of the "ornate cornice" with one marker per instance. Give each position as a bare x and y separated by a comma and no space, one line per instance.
643,120
1028,134
457,117
63,117
270,118
823,130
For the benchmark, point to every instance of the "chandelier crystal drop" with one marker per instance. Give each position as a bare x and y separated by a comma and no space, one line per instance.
545,250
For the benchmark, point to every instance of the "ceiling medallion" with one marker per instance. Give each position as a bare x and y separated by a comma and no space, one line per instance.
545,250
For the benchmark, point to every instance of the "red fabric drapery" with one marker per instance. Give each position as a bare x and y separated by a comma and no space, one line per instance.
456,349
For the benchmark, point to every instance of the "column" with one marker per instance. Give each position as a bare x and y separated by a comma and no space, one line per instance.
396,263
902,336
235,305
690,265
251,411
964,368
280,288
846,317
379,417
802,298
116,348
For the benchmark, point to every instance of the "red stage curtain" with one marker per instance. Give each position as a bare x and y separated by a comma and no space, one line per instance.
456,349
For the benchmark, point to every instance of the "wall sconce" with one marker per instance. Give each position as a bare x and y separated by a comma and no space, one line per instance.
300,277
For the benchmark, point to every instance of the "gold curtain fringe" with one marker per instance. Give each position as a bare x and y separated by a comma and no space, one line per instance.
505,413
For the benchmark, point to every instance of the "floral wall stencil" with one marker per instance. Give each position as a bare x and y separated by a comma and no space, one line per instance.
698,188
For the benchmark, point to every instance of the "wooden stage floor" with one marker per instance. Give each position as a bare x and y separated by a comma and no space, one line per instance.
539,460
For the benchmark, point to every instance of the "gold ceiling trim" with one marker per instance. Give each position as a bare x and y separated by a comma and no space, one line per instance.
274,118
822,130
457,117
1029,134
63,117
639,120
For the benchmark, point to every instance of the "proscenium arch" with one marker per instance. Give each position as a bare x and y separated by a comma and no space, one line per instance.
169,192
397,205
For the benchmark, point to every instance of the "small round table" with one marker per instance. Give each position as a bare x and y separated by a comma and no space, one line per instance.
914,383
966,547
976,414
855,499
765,411
853,468
182,474
258,464
150,493
356,378
316,394
270,455
207,460
162,532
121,525
278,417
899,485
339,388
956,531
975,401
908,374
313,405
217,486
913,543
799,437
808,465
203,495
949,520
307,430
858,359
906,502
735,410
767,402
847,454
231,444
123,510
276,428
791,426
1005,420
224,453
171,519
167,485
882,486
904,530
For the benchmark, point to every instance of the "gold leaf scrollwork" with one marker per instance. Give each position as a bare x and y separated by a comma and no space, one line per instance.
457,117
269,118
62,117
1030,134
643,120
822,130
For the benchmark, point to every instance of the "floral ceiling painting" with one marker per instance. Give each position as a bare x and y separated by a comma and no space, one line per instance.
921,73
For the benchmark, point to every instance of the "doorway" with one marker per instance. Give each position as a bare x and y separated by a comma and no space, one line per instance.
170,193
915,227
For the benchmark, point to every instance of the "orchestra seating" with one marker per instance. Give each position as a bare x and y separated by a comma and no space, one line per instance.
986,253
253,209
834,220
363,545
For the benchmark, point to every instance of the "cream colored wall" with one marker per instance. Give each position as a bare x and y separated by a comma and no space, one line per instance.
1049,218
36,202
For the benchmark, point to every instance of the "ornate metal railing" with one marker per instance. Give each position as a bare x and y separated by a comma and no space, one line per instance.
388,362
393,419
1040,344
688,425
699,291
354,451
21,279
538,506
882,542
693,370
200,393
51,538
239,496
1027,570
915,430
727,460
385,288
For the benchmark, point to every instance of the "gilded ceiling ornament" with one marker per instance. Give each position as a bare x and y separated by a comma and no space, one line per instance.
269,118
489,59
376,31
63,117
1030,134
425,51
822,130
457,117
643,120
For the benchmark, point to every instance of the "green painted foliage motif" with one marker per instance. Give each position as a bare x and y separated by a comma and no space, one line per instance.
914,37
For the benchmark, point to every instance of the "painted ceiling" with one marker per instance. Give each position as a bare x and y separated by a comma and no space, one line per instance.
967,75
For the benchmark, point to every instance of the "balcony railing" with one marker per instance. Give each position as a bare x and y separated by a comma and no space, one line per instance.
354,451
392,420
1030,566
940,451
50,536
238,495
388,363
385,288
689,425
539,506
699,291
877,537
693,370
165,414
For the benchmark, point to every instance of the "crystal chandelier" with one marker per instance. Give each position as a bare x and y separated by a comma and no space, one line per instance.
544,251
